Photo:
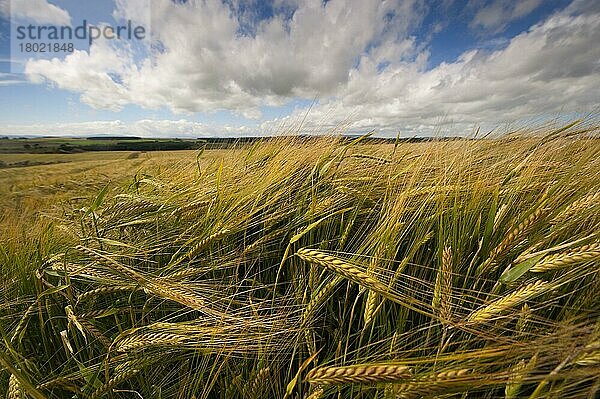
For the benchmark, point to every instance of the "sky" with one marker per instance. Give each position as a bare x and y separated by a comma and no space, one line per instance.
249,68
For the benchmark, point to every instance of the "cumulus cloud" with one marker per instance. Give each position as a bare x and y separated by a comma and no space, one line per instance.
551,68
207,63
90,72
495,15
38,11
357,58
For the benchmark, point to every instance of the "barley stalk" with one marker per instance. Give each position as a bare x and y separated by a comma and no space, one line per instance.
90,328
73,320
513,385
133,364
183,296
371,157
87,271
234,387
197,248
310,342
184,274
255,244
60,381
100,313
526,187
500,215
160,287
113,264
205,242
192,206
354,274
128,209
372,296
590,359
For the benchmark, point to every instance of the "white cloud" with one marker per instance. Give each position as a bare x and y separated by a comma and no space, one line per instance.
39,11
497,14
142,128
11,82
207,65
357,57
555,67
88,73
9,79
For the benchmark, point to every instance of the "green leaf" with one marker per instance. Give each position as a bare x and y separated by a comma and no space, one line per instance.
98,201
517,271
115,243
54,290
90,377
289,390
317,223
489,225
107,313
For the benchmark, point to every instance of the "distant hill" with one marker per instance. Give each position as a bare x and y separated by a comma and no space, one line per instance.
51,145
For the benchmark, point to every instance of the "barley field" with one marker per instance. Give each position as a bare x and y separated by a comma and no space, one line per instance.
306,268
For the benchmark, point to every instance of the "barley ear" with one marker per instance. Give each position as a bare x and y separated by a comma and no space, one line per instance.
342,268
372,297
360,374
317,393
509,241
517,375
256,385
317,300
524,319
590,355
515,298
564,259
583,203
370,308
14,388
442,294
113,382
434,384
23,322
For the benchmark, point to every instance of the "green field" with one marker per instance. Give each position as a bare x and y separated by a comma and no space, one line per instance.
55,145
305,269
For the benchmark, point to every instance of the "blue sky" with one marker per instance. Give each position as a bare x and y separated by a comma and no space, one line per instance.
251,68
457,37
